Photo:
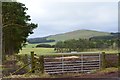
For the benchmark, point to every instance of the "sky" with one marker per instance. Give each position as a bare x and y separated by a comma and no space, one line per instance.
60,16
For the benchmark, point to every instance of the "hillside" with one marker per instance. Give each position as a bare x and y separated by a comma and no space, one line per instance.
84,34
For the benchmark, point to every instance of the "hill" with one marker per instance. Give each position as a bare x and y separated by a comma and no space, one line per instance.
40,40
109,37
83,34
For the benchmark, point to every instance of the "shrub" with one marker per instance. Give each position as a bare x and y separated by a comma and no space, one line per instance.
44,45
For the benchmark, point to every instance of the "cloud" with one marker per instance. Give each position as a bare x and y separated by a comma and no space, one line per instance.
63,16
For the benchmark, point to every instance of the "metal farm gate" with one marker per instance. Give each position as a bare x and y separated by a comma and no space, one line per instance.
72,63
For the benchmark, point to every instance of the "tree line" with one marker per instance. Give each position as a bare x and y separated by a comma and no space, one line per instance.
39,40
85,44
45,46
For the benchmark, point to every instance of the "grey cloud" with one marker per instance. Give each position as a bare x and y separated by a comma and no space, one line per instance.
62,17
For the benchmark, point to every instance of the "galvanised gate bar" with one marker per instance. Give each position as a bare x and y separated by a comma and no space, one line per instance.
72,62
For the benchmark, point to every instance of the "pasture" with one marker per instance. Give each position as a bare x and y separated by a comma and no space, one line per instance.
34,45
107,51
50,51
38,51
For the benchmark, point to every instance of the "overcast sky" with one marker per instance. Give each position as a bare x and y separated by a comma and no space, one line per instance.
60,16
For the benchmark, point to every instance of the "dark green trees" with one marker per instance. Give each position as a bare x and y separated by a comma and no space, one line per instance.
16,26
59,46
71,45
85,44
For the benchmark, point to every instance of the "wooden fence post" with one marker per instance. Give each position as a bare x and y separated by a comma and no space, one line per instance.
119,60
41,60
118,64
103,60
32,62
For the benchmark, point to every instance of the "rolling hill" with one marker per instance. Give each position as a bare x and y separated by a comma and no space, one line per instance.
83,34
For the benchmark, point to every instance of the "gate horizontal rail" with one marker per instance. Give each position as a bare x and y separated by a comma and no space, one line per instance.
72,63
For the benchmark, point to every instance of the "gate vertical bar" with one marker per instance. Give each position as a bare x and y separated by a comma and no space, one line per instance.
81,62
99,60
62,63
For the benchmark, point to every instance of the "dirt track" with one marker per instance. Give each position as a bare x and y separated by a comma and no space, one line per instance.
97,75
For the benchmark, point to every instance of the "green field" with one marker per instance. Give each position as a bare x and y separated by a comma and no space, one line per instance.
34,45
38,51
50,51
110,51
30,46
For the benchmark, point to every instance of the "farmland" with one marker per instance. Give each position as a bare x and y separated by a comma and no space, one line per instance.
34,45
38,51
50,51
